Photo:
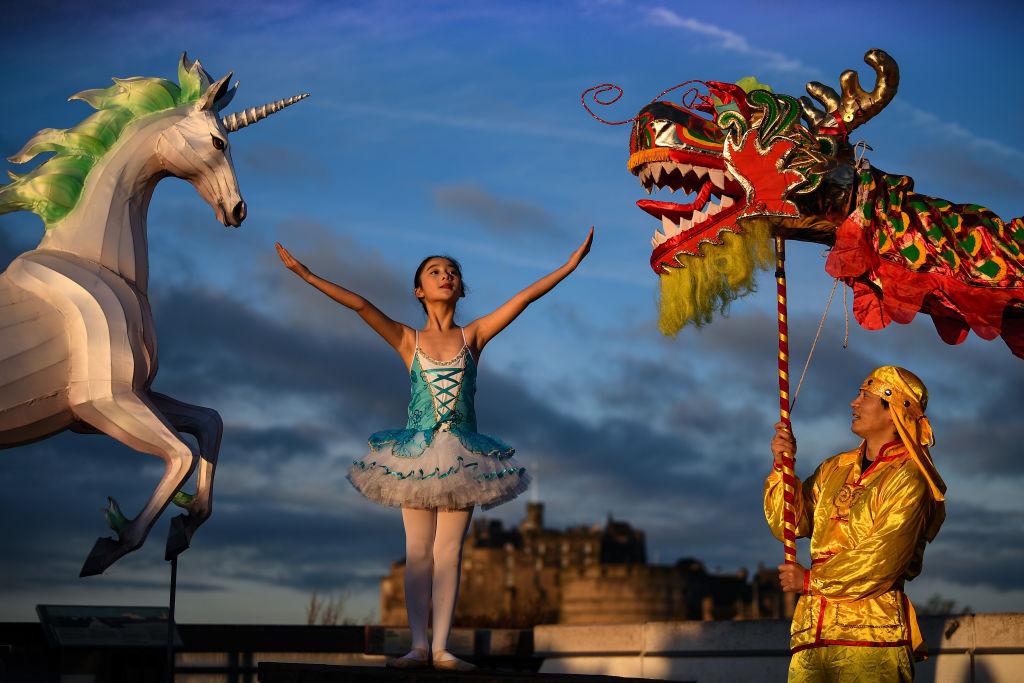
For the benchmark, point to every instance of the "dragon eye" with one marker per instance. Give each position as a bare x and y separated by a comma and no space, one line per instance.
217,142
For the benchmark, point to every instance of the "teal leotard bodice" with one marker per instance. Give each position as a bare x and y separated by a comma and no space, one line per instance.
442,394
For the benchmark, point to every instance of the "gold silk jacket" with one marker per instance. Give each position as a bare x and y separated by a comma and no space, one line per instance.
867,532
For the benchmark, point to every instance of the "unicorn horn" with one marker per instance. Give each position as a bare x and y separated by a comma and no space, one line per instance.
233,122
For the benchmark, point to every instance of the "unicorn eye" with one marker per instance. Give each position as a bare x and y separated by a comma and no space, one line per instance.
217,142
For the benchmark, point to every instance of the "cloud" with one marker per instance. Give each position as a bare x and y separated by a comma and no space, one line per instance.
978,547
730,41
967,173
938,128
284,162
988,429
525,123
221,351
501,216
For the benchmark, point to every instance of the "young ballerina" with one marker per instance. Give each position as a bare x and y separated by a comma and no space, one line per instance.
439,467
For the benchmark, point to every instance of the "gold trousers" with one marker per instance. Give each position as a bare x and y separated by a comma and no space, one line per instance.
851,664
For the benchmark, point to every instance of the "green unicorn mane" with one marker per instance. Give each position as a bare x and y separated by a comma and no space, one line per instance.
52,189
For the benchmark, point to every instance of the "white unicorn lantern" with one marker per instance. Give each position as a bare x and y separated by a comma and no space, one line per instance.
77,340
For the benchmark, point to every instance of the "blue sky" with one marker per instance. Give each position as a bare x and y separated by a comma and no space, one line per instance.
456,127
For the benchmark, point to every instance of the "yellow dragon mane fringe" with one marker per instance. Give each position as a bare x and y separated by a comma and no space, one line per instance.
706,284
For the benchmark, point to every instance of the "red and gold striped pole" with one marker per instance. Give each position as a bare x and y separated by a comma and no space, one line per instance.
788,461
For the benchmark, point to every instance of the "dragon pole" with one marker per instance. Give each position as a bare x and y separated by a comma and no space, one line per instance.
788,460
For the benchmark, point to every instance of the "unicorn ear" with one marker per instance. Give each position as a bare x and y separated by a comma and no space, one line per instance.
225,100
209,100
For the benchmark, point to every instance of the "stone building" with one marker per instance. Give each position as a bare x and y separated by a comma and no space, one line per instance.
529,574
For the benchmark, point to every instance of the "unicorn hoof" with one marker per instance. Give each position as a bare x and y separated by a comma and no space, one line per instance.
179,537
104,553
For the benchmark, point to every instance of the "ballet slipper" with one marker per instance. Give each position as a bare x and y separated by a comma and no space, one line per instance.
416,658
446,661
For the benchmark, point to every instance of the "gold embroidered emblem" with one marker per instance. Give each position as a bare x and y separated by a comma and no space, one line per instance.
845,499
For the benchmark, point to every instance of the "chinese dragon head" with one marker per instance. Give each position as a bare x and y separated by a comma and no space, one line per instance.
757,165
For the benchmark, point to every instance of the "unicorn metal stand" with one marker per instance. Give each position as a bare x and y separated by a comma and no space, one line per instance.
77,340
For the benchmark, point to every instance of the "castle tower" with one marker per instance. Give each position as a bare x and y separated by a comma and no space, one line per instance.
534,517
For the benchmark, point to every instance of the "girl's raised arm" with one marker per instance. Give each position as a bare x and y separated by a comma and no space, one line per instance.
482,330
394,333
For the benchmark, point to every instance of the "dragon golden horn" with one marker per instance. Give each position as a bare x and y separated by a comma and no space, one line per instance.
814,115
856,105
239,120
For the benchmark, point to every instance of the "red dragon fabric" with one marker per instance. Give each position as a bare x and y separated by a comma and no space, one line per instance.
902,252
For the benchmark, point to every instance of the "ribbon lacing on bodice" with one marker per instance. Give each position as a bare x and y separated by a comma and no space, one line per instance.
444,378
441,401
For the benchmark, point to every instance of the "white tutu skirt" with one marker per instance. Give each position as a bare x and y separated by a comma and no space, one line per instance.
445,475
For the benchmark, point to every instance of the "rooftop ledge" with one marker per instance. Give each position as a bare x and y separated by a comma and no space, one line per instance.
970,647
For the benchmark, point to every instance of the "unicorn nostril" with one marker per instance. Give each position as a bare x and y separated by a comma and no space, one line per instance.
238,213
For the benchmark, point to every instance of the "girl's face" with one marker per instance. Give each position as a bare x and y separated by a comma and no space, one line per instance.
440,280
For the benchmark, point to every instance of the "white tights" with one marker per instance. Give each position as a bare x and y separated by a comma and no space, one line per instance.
433,562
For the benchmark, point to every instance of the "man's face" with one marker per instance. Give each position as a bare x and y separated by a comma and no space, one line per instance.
871,419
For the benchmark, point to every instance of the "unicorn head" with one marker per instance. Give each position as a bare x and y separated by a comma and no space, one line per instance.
191,143
196,149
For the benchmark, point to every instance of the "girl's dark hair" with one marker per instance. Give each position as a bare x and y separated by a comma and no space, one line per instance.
417,281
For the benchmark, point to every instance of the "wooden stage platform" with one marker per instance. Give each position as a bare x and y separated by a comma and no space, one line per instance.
273,672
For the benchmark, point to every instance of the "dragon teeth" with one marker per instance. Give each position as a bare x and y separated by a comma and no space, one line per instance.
666,173
656,175
717,178
698,217
670,227
713,209
727,201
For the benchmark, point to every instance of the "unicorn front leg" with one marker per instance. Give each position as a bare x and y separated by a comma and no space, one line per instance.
206,425
133,420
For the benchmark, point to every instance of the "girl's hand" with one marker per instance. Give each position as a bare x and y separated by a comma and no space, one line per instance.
291,263
583,250
400,337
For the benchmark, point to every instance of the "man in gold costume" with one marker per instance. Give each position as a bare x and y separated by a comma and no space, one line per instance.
868,513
